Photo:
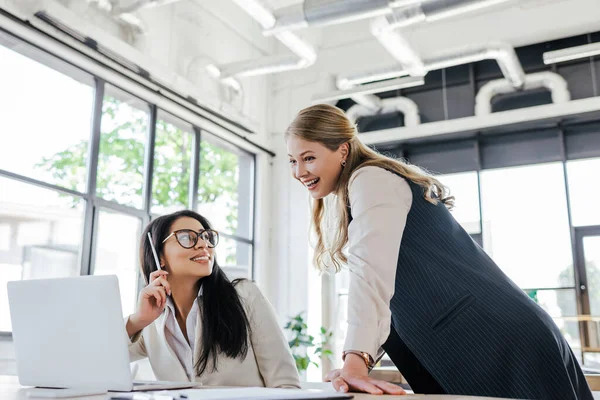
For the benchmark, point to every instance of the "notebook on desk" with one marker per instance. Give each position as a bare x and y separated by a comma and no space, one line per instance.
69,333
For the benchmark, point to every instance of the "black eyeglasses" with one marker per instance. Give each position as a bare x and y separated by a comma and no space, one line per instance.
188,238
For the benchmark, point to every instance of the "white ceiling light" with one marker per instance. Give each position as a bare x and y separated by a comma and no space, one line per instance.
571,53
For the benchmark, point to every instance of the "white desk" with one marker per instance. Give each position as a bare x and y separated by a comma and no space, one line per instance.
11,390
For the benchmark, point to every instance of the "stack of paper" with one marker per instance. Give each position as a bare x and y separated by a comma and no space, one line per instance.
261,394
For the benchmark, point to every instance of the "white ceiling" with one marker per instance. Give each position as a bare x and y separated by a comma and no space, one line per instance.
279,4
518,22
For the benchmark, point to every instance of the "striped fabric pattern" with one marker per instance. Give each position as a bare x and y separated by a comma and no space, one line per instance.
468,324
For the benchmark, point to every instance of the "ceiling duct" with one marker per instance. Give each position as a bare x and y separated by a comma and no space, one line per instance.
314,13
549,80
303,57
406,106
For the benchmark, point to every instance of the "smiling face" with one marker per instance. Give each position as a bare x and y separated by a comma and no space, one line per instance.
315,166
196,262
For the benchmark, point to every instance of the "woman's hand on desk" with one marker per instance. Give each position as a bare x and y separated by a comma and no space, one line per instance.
354,377
151,302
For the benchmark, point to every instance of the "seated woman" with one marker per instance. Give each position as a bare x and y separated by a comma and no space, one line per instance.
193,323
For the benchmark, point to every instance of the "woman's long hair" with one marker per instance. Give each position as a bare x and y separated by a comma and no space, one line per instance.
329,126
225,325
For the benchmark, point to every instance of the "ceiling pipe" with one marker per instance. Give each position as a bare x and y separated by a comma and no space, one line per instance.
377,87
406,106
503,53
435,10
395,43
555,83
384,29
571,53
315,13
304,54
139,5
370,101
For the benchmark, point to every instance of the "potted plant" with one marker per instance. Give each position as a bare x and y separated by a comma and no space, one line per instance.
300,342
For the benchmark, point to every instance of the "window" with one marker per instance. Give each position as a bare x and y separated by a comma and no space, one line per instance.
45,112
340,329
591,252
583,192
55,223
225,197
526,232
173,150
125,122
117,252
42,236
465,189
525,224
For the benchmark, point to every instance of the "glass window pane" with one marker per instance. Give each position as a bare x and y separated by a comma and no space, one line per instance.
340,311
583,193
591,253
464,188
226,186
117,253
234,257
562,307
40,236
172,164
48,117
125,122
525,224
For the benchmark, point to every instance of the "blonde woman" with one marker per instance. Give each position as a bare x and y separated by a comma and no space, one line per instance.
421,289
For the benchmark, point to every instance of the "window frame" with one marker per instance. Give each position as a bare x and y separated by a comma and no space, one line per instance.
93,203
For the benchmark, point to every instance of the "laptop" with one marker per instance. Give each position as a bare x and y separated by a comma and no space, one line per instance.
70,333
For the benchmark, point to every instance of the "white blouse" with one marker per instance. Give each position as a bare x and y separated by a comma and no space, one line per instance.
379,202
269,362
174,335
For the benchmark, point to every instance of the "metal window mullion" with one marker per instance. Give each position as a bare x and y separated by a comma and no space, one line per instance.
582,300
89,228
580,268
44,185
237,238
120,208
195,175
572,237
552,288
479,198
141,280
590,230
149,160
253,215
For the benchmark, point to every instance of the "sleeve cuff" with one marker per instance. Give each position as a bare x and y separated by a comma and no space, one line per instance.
135,337
364,338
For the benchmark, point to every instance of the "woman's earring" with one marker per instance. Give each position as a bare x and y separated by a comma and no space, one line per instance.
343,163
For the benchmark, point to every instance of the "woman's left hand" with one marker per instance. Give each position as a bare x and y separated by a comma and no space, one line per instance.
346,380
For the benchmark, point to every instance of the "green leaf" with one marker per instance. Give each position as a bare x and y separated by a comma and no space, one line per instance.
121,163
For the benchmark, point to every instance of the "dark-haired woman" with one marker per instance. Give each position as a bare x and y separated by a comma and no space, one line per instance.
193,323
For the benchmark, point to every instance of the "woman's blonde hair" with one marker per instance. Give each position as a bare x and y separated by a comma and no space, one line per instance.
329,126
